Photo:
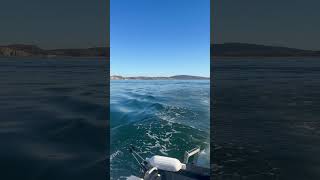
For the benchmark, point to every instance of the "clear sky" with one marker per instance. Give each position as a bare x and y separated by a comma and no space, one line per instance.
291,23
54,24
160,37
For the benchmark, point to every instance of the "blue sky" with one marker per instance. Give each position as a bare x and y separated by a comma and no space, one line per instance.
160,37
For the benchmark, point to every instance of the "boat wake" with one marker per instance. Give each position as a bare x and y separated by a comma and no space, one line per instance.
157,121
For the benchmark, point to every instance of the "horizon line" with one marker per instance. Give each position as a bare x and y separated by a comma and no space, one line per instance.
108,46
261,44
33,44
163,75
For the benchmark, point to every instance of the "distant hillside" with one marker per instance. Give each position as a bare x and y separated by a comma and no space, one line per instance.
187,77
177,77
253,50
22,50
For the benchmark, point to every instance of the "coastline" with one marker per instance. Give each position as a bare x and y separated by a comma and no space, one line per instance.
23,50
176,77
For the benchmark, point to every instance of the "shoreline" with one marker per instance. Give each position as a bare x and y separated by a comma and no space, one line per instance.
176,77
160,79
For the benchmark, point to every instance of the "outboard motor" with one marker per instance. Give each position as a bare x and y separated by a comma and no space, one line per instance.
166,163
162,167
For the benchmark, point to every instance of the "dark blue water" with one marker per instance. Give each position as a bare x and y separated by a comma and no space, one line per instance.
53,115
266,118
158,117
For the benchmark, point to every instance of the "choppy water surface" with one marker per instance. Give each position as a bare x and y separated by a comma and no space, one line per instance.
266,118
53,115
158,117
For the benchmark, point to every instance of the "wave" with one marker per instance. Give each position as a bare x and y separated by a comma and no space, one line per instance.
157,118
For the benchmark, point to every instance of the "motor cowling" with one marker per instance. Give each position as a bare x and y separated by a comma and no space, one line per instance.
166,163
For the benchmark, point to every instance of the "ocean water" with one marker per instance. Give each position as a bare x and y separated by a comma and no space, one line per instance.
53,118
266,118
158,117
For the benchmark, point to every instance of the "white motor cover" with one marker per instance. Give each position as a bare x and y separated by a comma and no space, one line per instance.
165,163
133,178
